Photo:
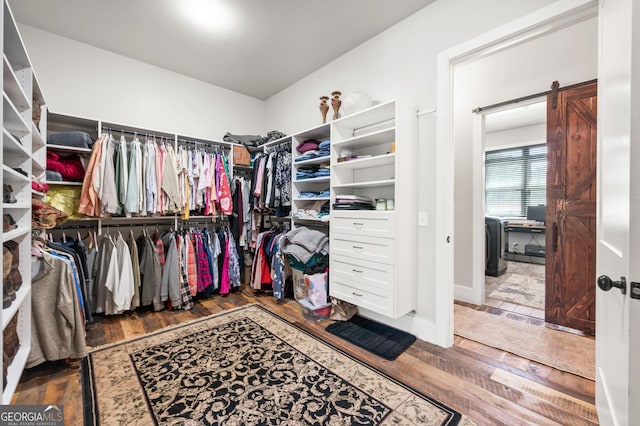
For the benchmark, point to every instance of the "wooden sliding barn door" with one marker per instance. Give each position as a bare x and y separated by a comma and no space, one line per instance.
571,208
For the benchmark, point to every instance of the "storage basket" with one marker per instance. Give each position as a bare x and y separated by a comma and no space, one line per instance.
241,156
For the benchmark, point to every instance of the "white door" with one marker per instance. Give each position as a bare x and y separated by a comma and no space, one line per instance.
618,248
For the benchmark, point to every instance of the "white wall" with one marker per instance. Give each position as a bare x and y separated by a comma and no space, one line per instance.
518,136
82,80
568,56
400,63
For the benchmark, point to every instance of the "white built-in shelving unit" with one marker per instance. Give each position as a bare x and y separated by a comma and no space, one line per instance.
319,184
372,259
19,136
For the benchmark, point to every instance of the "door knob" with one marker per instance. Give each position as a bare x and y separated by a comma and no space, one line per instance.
606,283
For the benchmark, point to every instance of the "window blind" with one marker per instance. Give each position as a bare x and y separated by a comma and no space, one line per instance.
515,178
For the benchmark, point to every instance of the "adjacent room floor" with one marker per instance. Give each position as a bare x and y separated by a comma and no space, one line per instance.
520,289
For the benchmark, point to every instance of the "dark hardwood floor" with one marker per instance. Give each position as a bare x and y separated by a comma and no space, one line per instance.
489,386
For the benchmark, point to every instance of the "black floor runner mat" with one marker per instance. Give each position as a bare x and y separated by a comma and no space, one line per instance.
379,339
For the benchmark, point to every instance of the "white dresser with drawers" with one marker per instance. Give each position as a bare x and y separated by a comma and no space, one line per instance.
372,261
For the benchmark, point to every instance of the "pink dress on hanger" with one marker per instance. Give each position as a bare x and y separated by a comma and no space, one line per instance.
224,192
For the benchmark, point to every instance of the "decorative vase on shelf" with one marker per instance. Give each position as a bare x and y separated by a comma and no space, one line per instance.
324,108
336,102
355,102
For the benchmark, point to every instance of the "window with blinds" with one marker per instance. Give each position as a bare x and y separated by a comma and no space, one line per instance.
515,178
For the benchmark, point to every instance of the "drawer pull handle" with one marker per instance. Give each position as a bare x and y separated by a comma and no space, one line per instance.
356,294
357,270
358,247
358,224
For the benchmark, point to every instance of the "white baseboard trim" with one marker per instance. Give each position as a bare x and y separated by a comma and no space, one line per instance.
465,294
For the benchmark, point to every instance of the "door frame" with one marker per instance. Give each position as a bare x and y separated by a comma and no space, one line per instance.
477,292
553,17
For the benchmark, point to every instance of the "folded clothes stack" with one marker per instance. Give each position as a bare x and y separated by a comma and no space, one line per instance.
313,149
353,202
325,193
69,167
310,172
318,210
37,185
324,148
308,145
314,153
74,139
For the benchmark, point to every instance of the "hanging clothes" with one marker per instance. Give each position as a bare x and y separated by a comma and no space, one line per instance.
151,178
57,328
171,272
107,192
135,264
186,301
150,273
224,191
170,182
105,273
122,174
134,182
124,289
89,200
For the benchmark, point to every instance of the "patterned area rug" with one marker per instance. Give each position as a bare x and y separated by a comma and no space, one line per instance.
522,284
245,367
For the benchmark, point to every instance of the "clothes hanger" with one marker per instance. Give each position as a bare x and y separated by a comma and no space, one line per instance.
36,248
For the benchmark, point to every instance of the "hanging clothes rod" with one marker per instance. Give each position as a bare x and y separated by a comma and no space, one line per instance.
369,126
110,225
136,133
205,143
200,219
278,146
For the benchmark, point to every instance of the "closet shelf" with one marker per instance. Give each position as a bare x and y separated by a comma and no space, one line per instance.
12,119
313,180
16,206
372,183
369,117
318,133
379,137
37,168
10,145
38,193
15,371
8,313
117,220
311,199
70,149
14,49
62,182
37,141
13,88
361,163
317,160
310,221
15,233
11,176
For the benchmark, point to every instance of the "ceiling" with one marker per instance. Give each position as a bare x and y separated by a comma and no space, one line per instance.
270,45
